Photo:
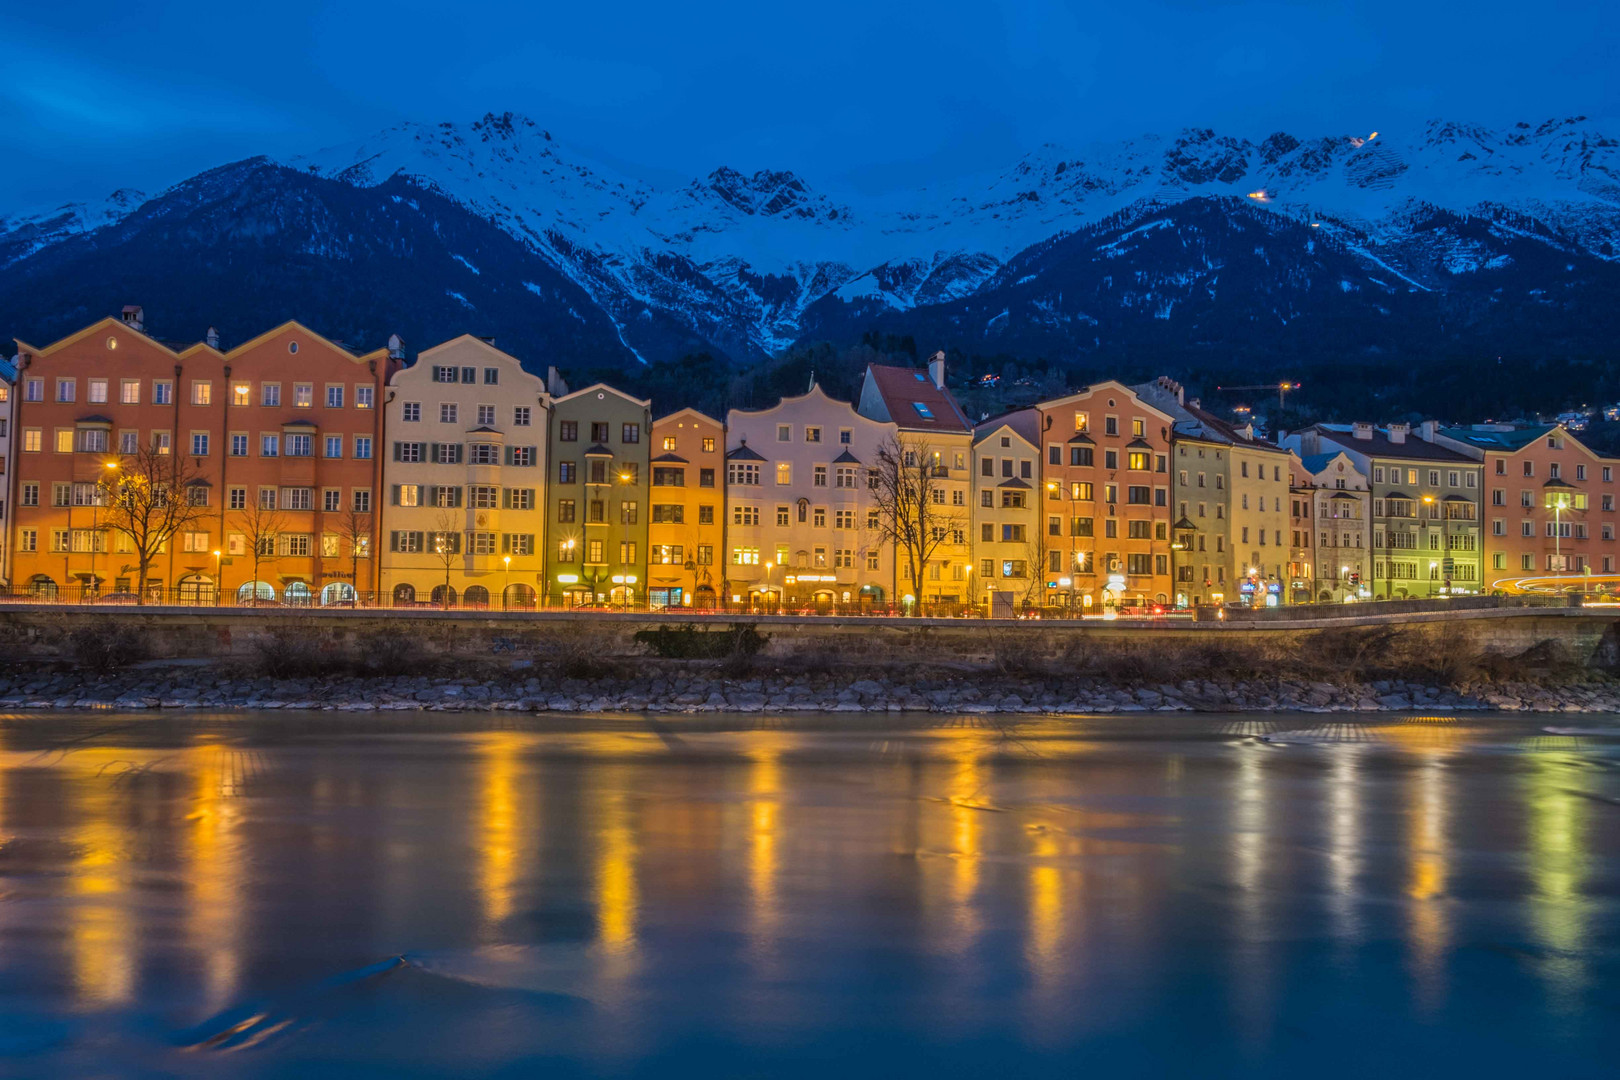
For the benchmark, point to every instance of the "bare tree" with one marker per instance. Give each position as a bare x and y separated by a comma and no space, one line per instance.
149,497
911,516
261,523
355,527
1036,548
446,547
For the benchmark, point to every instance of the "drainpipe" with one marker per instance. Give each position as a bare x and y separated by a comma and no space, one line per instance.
174,465
224,491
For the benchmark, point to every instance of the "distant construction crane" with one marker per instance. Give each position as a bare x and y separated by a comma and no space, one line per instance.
1282,389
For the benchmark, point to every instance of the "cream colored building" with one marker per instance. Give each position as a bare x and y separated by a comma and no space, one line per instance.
932,427
464,480
1340,534
1013,553
800,512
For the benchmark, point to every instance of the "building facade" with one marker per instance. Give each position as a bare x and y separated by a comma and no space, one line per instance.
1550,508
933,429
1015,552
8,381
597,498
1106,472
464,479
1233,488
802,524
277,436
1426,502
686,532
1335,501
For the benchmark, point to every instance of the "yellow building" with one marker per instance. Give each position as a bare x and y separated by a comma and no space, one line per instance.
686,531
1011,560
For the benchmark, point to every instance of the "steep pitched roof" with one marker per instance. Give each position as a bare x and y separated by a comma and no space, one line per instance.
909,398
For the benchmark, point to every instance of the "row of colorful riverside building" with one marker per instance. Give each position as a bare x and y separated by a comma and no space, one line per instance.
464,471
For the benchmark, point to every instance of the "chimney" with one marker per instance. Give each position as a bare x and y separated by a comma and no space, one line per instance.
134,317
1427,430
1397,433
1174,389
212,337
936,370
555,386
396,347
1361,430
490,341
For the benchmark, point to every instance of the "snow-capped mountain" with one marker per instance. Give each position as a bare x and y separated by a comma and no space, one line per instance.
1183,238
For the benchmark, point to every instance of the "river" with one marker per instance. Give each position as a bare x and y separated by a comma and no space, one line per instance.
291,895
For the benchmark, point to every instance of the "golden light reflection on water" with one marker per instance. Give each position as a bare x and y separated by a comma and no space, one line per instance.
101,934
1344,841
764,819
1427,870
617,891
965,808
215,867
500,830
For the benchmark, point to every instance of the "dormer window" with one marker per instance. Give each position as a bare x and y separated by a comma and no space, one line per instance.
922,410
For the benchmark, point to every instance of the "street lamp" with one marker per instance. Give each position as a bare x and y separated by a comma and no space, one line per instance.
216,577
506,591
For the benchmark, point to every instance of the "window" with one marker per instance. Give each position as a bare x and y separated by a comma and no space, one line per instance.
742,514
706,478
199,442
443,374
334,446
448,412
486,416
627,551
743,472
1138,459
492,376
1081,455
745,556
363,397
444,495
567,471
520,416
784,472
1012,534
568,430
64,440
708,444
299,445
483,496
517,543
405,542
481,543
627,512
599,433
820,517
296,498
160,442
303,395
362,447
784,432
593,551
66,390
484,454
668,476
332,500
270,394
565,511
922,410
517,499
408,451
706,515
819,478
668,514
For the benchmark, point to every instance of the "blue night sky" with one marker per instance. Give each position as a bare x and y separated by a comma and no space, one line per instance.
866,95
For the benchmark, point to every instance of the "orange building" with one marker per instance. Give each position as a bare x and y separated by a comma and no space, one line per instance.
276,429
686,531
1105,476
1549,506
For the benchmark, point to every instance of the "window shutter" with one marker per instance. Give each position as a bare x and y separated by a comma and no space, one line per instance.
396,452
396,498
509,450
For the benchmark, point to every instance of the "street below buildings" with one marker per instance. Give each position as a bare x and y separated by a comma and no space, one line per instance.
284,894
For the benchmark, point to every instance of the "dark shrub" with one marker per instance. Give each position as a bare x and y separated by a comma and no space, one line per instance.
102,647
690,643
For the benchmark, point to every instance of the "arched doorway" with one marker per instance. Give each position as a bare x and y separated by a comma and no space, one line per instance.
518,596
577,596
622,595
42,587
404,595
197,589
444,595
475,596
255,592
703,598
337,592
298,593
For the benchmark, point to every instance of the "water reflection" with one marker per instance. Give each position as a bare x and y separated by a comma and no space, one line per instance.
766,888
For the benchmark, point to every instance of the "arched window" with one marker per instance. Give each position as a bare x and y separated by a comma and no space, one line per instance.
475,596
404,594
253,591
444,595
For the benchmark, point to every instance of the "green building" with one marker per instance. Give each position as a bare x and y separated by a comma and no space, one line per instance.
597,498
1427,503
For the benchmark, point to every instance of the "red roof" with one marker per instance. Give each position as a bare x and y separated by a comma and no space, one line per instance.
904,389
